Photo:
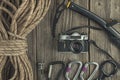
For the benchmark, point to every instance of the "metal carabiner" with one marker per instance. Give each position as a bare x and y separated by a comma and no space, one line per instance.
68,69
60,71
84,69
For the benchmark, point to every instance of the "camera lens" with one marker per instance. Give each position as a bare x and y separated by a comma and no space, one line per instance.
76,47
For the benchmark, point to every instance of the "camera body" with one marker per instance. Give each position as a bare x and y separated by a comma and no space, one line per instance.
75,42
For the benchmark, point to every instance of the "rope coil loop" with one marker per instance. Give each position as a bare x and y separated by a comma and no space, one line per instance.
13,47
17,19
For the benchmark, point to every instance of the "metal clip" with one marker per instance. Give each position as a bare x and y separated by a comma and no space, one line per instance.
60,71
84,69
69,69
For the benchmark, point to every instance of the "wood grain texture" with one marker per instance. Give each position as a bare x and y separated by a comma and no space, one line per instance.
105,9
42,48
32,51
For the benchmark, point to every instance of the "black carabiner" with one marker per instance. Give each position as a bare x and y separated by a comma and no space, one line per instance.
104,74
58,13
50,66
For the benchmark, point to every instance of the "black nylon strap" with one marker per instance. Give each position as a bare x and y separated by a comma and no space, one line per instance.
113,62
81,27
105,52
58,13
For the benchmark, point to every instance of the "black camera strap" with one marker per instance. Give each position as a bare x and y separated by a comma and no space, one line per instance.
105,52
58,13
80,27
115,65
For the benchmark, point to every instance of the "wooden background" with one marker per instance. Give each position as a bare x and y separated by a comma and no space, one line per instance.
43,49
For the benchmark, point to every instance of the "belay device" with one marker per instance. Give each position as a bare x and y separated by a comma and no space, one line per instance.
108,27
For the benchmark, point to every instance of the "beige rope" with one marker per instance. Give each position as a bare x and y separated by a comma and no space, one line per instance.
17,19
13,47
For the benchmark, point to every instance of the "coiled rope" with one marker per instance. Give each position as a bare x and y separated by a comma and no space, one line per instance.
17,19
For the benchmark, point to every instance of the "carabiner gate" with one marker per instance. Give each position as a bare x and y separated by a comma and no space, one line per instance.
68,69
84,69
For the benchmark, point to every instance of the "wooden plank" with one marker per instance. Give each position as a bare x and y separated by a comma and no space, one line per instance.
32,51
106,9
42,46
47,48
44,43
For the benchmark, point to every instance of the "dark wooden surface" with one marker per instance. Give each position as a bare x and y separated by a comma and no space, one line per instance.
43,49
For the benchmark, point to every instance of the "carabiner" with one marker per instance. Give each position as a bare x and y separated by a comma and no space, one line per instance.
60,71
68,69
84,69
103,73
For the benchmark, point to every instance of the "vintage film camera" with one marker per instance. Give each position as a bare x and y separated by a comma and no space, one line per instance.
74,42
